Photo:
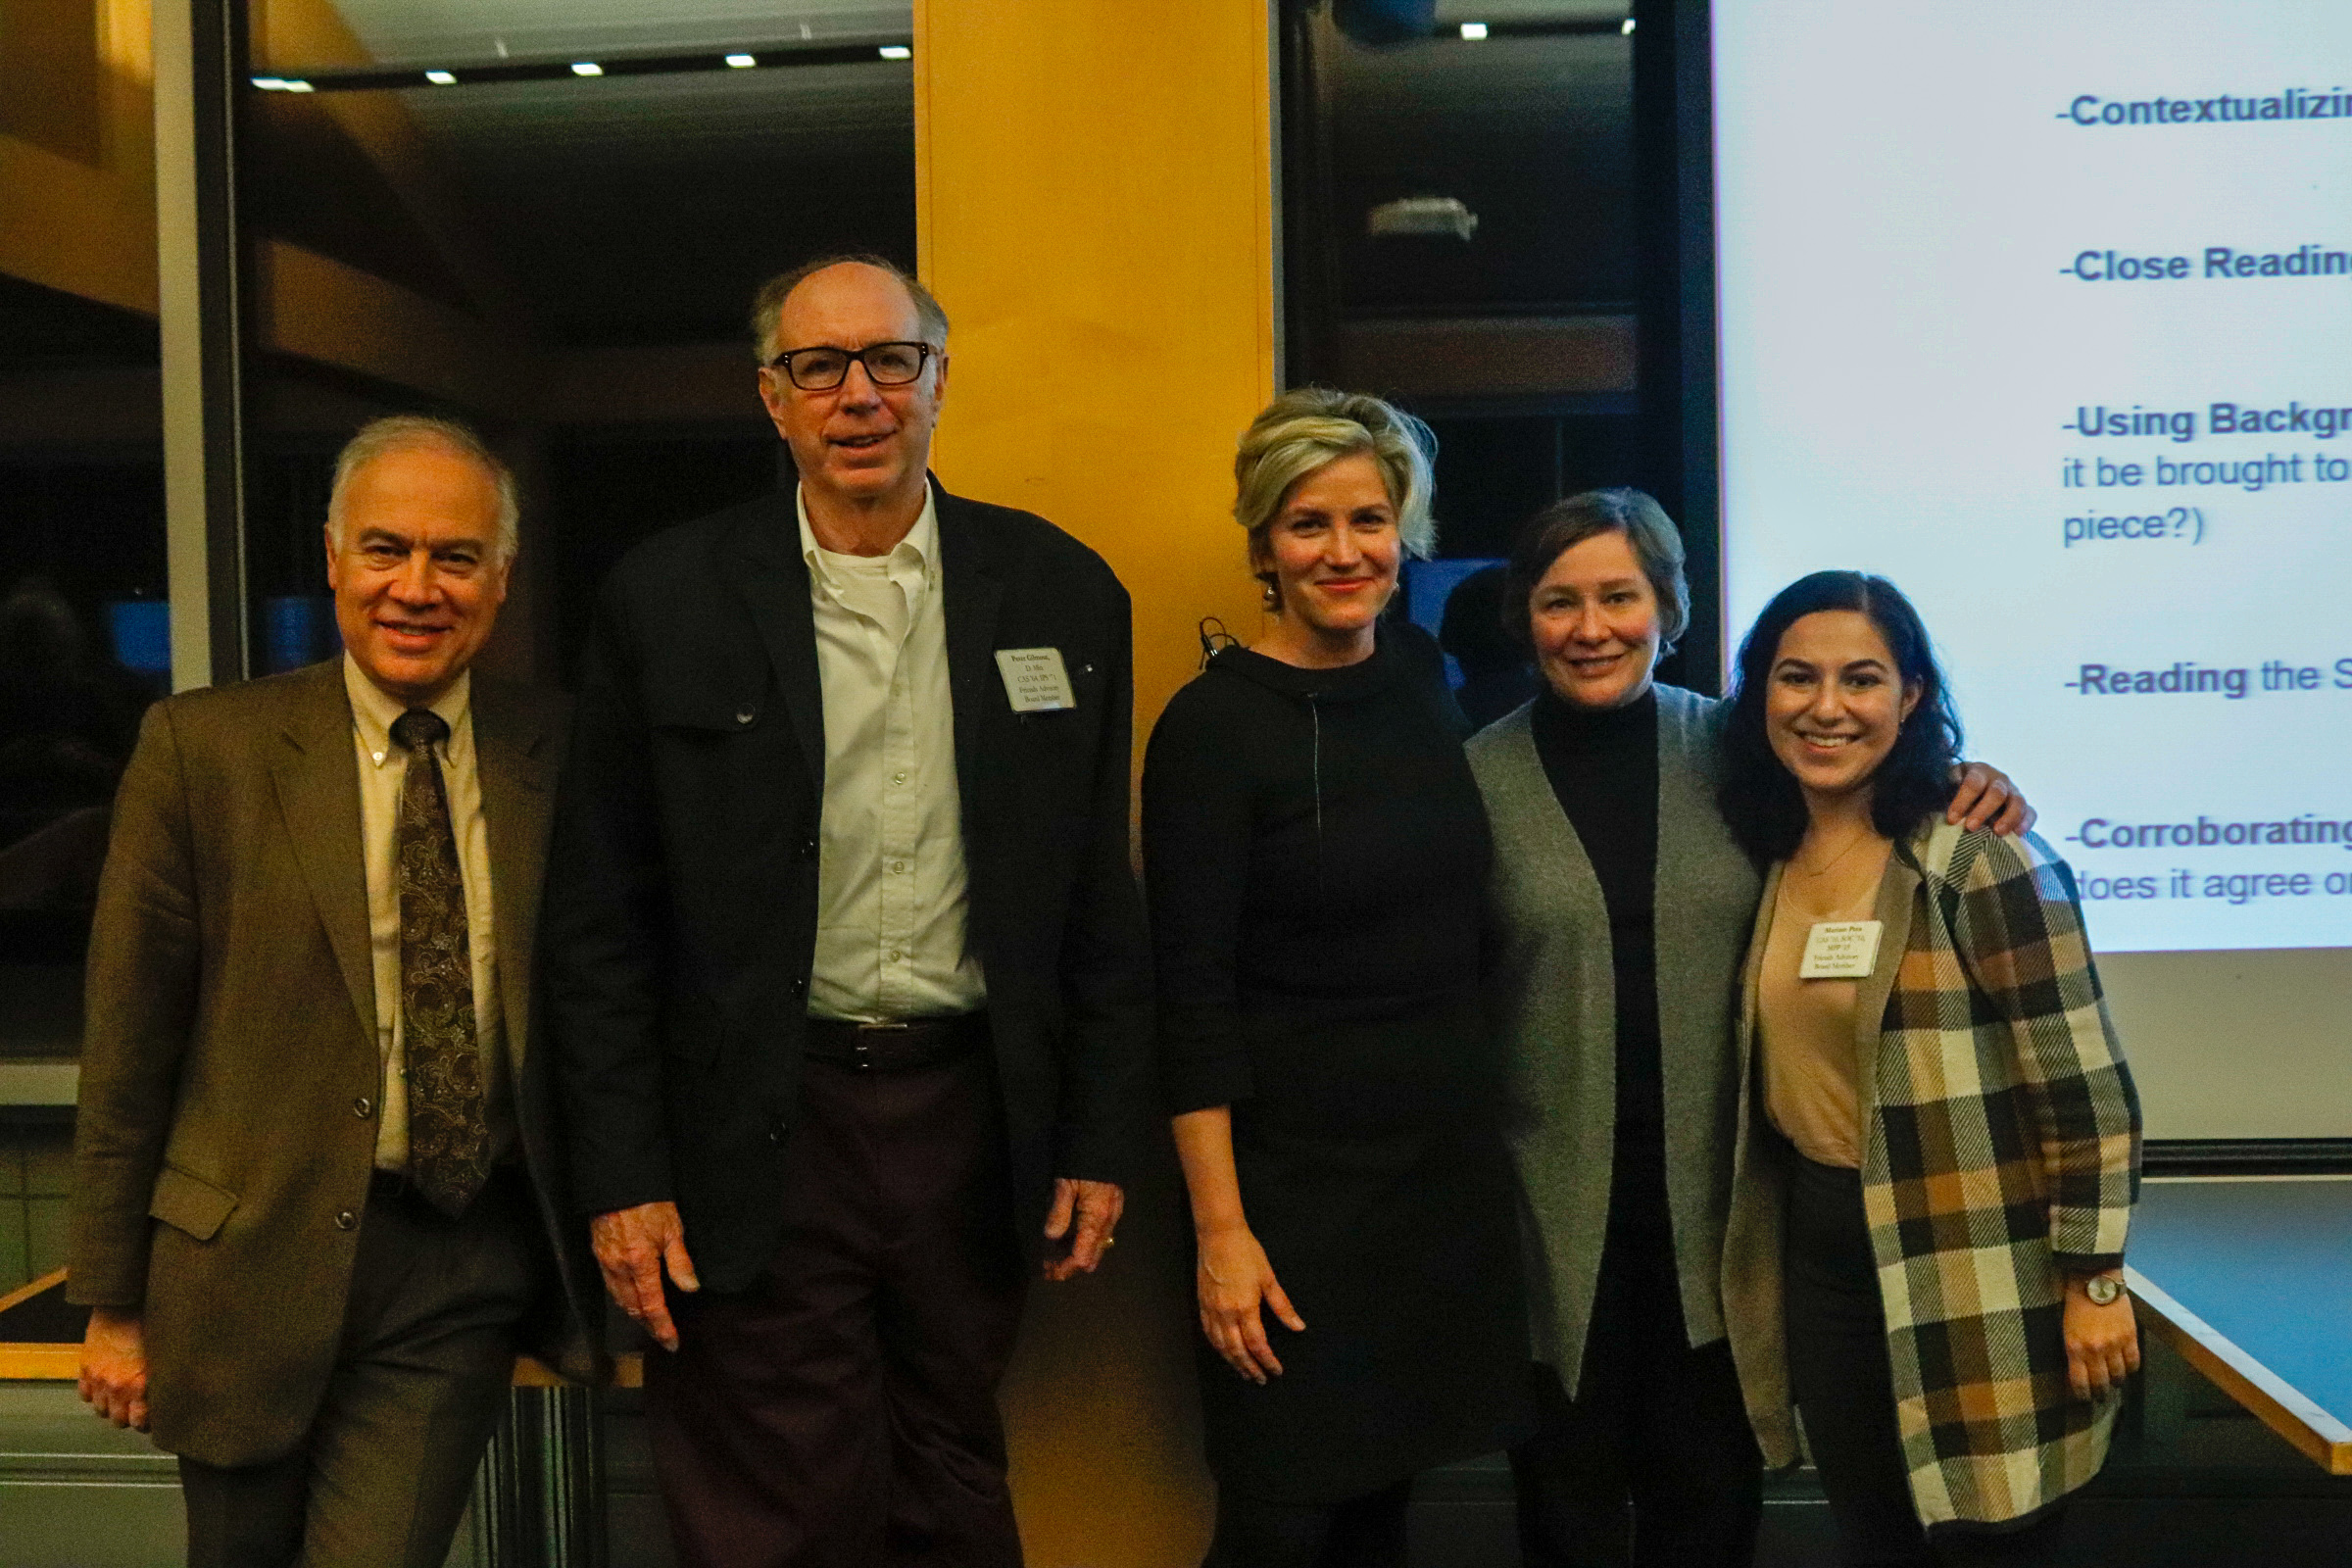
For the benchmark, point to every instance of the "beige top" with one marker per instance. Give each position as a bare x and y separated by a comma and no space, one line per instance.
890,886
383,771
1812,1059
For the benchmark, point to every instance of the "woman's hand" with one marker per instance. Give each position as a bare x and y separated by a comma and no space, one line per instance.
2102,1344
1233,1278
1985,796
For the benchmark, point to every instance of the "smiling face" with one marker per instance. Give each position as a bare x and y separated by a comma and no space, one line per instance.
1593,619
1333,548
416,577
1836,701
855,445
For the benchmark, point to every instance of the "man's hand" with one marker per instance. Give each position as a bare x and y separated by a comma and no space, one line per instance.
632,1247
1097,1206
113,1367
1984,796
2102,1344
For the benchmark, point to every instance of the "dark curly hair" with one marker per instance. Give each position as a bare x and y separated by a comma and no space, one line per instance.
1759,797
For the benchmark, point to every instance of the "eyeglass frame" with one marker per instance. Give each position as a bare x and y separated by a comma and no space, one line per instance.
925,355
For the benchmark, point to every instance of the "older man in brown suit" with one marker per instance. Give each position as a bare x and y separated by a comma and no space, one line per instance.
302,1213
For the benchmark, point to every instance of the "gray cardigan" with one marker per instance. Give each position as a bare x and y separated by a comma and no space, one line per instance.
1554,1006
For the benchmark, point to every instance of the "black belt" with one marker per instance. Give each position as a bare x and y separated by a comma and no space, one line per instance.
894,1046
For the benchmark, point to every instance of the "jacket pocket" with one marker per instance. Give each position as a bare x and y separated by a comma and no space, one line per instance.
190,1204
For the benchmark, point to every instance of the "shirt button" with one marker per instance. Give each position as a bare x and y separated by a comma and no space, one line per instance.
799,987
897,866
895,955
775,1131
746,715
347,1221
360,1106
898,778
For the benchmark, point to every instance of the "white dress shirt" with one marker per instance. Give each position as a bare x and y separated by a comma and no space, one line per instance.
889,877
384,771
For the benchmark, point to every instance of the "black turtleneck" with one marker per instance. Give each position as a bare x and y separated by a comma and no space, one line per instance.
1603,769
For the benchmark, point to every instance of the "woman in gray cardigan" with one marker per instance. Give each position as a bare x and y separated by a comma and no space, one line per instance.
1622,906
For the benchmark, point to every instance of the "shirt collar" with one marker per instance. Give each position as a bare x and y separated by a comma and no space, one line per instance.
373,710
919,549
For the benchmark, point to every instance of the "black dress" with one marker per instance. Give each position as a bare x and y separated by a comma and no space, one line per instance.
1314,849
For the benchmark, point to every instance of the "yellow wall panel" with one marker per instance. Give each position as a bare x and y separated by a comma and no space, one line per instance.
1095,209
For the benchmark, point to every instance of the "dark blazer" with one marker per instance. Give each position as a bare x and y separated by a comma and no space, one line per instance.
682,884
220,1151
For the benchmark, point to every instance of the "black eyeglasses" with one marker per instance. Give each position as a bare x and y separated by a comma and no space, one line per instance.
822,370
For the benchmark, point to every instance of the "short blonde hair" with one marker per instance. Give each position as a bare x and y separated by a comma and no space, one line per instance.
411,432
1312,427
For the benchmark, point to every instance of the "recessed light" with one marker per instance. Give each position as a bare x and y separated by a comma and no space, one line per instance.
897,51
586,68
441,78
1474,30
743,62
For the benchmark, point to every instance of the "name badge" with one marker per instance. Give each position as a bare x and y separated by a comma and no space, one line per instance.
1036,679
1840,950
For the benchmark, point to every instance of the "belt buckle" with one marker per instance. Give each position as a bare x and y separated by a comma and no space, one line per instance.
863,1045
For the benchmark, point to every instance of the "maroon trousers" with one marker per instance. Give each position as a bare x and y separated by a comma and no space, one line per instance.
842,1411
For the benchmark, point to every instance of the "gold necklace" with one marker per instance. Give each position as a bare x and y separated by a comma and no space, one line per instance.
1832,864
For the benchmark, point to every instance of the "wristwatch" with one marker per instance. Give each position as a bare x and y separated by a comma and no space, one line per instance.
2102,1289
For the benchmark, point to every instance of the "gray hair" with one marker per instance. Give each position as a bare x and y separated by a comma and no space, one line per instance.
769,304
1564,524
417,432
1312,427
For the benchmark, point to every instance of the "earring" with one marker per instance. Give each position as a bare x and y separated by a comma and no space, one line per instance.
1268,595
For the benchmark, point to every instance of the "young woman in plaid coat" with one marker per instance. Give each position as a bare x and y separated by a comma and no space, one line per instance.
1938,1142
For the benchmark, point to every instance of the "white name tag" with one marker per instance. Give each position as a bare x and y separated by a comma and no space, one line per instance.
1036,679
1840,950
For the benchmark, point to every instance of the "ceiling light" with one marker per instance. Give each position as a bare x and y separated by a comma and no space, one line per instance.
282,84
897,51
743,62
1628,29
441,78
1474,30
586,68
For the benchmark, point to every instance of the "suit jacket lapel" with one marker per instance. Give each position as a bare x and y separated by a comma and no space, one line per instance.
972,593
317,772
508,749
774,582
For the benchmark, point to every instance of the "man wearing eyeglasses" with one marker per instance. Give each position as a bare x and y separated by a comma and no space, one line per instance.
844,958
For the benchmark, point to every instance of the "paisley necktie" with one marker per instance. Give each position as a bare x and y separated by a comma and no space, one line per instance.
449,1129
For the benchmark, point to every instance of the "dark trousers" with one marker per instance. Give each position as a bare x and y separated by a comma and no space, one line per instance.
1845,1388
428,1351
1367,1531
1652,1463
841,1413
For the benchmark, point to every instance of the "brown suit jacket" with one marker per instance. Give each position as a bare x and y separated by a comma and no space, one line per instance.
229,1067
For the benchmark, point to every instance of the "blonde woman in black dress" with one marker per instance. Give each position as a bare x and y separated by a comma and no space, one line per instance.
1315,852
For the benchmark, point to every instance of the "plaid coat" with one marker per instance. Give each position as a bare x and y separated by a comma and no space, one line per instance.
2002,1153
